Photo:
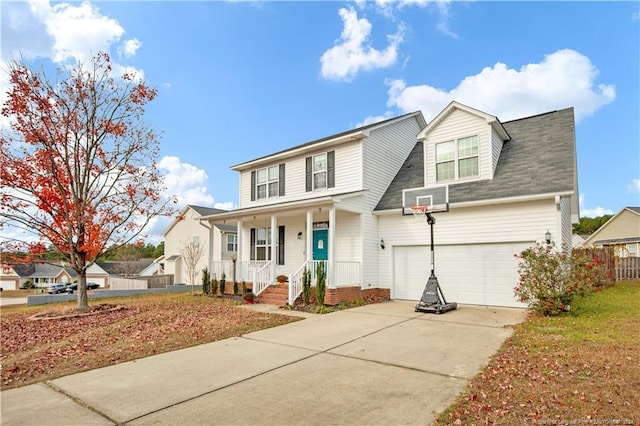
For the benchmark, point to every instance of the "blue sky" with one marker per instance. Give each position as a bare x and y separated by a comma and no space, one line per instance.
238,80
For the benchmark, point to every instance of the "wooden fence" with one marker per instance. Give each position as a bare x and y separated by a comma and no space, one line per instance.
606,257
628,268
141,282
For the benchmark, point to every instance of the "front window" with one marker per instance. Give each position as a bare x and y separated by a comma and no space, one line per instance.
457,159
268,182
263,244
232,242
632,249
320,171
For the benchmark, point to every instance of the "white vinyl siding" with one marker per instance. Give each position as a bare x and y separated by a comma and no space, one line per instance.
496,149
565,225
522,222
460,124
383,153
348,176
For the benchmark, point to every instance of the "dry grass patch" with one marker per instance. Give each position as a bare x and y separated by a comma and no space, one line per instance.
33,351
581,367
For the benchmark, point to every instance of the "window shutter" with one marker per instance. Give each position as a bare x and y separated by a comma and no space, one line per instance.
252,255
281,181
253,185
309,174
281,245
331,169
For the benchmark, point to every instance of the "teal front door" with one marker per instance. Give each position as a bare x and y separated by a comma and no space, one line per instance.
320,241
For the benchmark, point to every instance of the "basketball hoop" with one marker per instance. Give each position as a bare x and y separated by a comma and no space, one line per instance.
419,212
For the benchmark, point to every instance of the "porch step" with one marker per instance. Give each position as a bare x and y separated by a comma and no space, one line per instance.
275,295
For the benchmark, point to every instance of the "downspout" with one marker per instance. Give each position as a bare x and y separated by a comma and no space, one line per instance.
210,248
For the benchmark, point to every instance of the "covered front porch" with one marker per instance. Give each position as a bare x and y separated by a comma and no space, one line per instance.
285,239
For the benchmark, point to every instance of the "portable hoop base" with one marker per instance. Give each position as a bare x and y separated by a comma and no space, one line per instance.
433,301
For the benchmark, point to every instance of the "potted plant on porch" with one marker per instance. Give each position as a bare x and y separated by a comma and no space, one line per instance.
249,297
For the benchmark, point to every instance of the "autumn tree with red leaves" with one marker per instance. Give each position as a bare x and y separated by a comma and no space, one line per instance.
77,163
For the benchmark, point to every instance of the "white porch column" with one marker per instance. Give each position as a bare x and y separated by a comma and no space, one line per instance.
332,248
210,248
239,256
309,239
274,246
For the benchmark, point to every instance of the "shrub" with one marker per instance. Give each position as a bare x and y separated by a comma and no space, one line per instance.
235,287
306,286
321,283
244,287
550,280
206,279
222,282
28,284
214,286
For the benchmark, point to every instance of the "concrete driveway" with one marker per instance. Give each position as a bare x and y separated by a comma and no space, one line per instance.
377,364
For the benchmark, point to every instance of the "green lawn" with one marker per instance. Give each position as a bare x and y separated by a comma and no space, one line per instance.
582,366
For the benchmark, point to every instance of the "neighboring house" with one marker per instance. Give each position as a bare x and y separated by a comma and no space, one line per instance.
188,227
340,200
621,231
126,268
43,275
577,240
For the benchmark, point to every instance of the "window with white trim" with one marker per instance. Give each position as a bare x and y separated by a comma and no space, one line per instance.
261,244
232,242
457,159
320,171
268,182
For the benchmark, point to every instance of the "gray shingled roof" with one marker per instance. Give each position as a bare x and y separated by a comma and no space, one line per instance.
634,209
206,211
539,159
226,228
334,136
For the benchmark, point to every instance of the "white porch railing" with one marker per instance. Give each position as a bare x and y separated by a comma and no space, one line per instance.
244,269
346,273
262,278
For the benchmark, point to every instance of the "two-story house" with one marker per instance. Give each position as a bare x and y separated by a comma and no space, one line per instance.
343,200
218,242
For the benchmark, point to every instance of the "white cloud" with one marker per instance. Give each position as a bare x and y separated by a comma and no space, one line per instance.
186,182
374,119
78,32
596,212
564,78
634,186
189,185
130,47
353,53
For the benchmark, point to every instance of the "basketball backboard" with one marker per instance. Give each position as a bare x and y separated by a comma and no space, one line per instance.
435,198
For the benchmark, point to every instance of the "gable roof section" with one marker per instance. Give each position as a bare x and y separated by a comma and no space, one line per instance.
205,211
202,211
490,119
632,238
348,135
539,159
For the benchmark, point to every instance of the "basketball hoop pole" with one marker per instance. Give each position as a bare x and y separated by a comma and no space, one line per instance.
431,221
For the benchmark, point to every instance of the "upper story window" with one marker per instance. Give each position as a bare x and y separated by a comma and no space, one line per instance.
267,182
320,171
457,159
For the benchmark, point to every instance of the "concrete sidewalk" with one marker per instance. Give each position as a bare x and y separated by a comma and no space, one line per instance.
377,364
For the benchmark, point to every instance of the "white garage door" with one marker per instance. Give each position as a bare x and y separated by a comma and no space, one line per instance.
8,284
481,274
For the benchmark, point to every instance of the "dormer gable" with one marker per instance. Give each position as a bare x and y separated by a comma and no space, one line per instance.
461,144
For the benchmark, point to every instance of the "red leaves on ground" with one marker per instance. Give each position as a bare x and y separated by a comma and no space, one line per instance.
32,351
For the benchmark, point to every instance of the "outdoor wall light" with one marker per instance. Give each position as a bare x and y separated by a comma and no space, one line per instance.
300,235
547,237
382,243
